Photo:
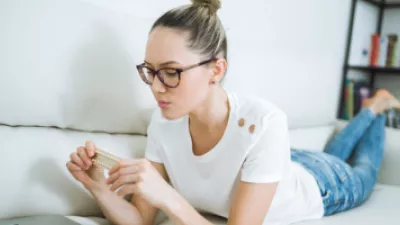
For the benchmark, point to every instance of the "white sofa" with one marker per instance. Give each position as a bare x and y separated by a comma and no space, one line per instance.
67,75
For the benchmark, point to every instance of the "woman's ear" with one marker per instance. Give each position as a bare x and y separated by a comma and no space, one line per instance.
219,69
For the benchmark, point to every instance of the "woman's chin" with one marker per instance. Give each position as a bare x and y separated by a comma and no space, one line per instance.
169,115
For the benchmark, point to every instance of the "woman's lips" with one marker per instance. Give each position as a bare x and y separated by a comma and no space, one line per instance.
163,104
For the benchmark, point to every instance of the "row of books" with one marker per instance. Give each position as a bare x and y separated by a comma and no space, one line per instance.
355,93
385,50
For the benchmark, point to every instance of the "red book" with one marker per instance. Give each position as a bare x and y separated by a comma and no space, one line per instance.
375,49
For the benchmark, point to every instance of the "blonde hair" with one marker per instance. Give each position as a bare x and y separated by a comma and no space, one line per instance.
206,34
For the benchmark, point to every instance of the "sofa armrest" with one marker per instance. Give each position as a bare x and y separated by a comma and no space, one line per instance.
390,170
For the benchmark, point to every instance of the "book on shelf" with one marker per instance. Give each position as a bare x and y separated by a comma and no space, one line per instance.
375,50
391,58
385,51
355,93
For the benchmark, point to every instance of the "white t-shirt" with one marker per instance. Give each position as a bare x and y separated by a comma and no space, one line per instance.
208,182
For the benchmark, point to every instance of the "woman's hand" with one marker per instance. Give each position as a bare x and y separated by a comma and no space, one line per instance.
84,171
139,177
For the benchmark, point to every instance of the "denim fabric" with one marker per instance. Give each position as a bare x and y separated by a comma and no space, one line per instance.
347,170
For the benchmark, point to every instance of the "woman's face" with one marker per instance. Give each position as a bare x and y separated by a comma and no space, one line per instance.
167,48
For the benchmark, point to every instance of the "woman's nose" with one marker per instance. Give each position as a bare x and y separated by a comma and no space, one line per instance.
157,85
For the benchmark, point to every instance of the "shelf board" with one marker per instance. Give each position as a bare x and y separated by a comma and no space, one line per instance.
373,2
388,5
392,6
373,69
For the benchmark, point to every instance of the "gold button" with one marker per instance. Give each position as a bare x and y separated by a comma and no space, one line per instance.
252,128
241,122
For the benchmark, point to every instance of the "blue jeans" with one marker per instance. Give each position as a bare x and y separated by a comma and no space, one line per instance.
347,170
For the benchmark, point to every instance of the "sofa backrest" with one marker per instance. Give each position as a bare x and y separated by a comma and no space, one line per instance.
71,63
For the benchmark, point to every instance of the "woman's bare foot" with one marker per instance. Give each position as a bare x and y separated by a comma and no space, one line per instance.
382,101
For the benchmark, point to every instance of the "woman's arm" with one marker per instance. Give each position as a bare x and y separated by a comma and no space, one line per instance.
251,203
148,211
116,209
250,206
119,211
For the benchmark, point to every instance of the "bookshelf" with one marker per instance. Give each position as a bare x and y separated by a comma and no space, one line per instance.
371,71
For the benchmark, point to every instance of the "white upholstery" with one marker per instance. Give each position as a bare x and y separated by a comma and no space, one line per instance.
89,220
71,64
300,137
33,169
382,208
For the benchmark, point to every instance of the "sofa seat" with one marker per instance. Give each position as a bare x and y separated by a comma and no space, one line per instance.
38,182
381,208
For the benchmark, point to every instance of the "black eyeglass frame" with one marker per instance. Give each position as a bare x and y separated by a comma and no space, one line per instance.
178,72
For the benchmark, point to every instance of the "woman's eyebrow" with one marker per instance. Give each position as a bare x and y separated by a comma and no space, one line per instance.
163,64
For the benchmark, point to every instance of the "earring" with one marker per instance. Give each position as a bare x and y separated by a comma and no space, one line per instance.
213,81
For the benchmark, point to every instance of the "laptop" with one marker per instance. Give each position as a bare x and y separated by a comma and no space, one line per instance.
38,220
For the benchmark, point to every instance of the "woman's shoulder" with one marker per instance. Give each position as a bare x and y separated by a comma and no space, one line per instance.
254,107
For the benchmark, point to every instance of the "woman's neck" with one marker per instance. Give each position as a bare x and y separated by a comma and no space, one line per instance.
213,113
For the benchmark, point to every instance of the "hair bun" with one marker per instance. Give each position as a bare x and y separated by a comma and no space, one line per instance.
212,5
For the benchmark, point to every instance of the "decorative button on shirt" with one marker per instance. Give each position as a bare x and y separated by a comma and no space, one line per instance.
241,122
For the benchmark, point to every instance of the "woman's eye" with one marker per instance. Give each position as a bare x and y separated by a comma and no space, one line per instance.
171,72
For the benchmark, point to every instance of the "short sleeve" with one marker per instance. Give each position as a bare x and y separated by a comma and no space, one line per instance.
270,155
153,148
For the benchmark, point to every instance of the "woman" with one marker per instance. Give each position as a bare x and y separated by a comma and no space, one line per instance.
222,153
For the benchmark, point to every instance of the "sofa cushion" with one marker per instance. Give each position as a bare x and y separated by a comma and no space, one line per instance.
89,220
34,174
311,138
381,208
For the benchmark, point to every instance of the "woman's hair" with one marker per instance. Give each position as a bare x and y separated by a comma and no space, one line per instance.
206,34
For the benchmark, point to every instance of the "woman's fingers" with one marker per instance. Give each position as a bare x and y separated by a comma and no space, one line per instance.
121,172
124,180
84,157
90,149
127,189
124,163
72,167
77,160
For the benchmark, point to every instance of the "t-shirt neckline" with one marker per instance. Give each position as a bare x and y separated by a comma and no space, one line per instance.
220,145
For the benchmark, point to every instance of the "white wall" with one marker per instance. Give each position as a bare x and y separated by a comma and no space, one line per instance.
289,52
297,62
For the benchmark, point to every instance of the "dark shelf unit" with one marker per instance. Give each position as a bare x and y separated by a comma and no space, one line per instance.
382,70
385,4
382,5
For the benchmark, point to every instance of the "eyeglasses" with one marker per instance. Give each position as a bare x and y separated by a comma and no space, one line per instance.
170,77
